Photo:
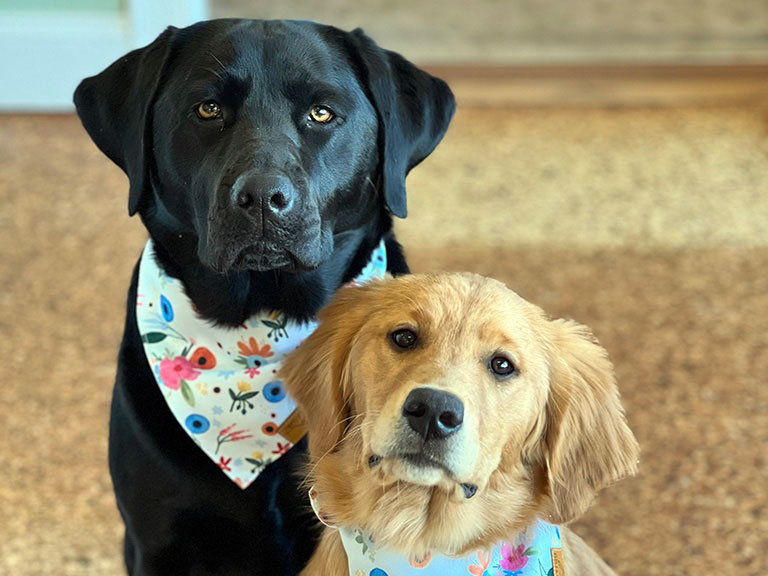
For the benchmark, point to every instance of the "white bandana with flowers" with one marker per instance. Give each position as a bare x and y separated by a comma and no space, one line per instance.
220,383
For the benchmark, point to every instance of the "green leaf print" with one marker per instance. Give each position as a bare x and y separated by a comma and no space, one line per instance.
278,329
186,391
258,463
361,540
153,337
240,401
531,552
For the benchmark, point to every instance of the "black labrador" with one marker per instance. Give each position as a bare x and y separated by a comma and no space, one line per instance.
266,159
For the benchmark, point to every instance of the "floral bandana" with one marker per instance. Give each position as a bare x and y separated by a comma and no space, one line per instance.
220,383
536,551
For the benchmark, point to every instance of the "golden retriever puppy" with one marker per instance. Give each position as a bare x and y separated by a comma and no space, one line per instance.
450,421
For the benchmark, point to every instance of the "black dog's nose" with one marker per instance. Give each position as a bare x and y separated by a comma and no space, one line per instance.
271,194
433,413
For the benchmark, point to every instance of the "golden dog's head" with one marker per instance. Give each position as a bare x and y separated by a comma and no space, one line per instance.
445,412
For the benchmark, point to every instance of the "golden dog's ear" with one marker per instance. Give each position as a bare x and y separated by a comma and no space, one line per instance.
315,374
588,442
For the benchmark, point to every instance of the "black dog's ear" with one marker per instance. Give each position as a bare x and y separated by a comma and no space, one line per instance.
115,108
414,110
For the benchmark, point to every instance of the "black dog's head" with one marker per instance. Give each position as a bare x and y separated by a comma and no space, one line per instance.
263,139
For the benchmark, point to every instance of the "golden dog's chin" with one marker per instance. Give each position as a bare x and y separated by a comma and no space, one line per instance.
416,471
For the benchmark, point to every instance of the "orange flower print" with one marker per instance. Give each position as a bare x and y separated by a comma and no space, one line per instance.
420,561
203,359
253,349
252,355
483,561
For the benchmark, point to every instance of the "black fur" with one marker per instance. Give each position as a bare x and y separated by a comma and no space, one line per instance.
337,184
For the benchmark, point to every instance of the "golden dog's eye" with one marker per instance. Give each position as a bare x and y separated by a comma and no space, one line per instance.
404,338
502,366
321,114
209,110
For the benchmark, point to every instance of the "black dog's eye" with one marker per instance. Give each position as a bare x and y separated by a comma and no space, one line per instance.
321,114
404,338
209,110
502,367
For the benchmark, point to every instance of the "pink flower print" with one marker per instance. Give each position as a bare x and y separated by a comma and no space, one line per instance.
513,559
173,371
228,435
282,448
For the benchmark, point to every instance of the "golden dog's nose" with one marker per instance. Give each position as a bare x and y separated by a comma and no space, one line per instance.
433,413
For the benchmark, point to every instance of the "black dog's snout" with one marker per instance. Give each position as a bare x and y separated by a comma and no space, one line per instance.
433,413
257,193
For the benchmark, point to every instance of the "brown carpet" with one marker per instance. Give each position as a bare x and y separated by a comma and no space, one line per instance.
651,226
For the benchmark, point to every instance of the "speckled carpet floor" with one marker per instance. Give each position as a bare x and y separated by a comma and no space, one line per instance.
651,226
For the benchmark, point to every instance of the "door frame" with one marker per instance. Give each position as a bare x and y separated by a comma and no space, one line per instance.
47,53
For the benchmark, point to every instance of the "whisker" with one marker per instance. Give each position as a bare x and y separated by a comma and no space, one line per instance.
217,60
215,73
332,448
373,184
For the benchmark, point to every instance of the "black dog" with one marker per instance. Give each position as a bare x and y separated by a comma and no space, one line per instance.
265,159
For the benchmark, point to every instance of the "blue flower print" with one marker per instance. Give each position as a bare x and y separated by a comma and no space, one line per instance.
273,391
166,308
377,572
197,424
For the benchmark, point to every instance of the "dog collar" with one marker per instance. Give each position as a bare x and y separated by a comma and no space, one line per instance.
221,383
536,551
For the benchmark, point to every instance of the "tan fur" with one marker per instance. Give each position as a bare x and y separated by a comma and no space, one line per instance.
538,445
329,558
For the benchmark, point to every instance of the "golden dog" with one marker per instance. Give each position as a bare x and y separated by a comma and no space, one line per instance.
445,414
